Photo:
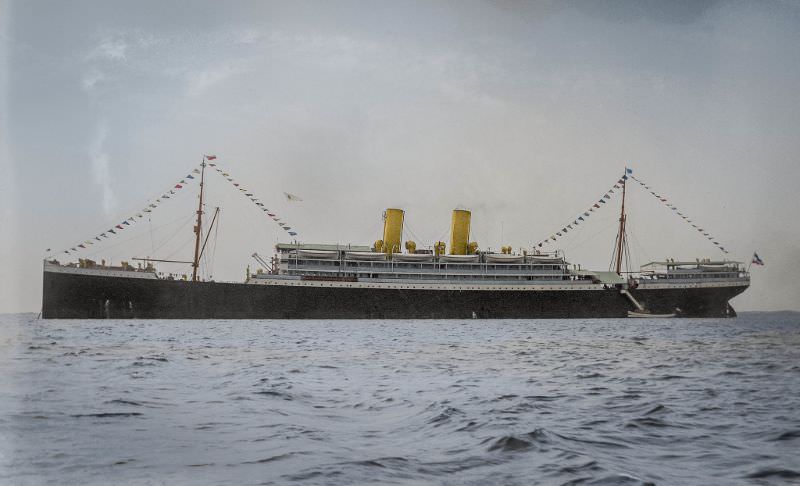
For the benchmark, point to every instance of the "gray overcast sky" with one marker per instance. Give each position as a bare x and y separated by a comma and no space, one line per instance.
524,113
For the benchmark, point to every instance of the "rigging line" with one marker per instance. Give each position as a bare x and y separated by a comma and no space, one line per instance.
580,232
673,208
600,202
627,254
204,267
181,247
414,235
214,249
203,255
213,220
443,235
255,200
152,243
376,230
241,219
609,225
639,247
135,212
177,232
117,243
574,236
613,254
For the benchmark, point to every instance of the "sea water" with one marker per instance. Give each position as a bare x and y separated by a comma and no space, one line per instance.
628,401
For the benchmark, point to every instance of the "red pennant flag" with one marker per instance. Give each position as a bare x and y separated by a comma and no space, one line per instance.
119,226
178,186
210,157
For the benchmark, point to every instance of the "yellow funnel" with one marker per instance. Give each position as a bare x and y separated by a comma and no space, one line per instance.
459,232
392,230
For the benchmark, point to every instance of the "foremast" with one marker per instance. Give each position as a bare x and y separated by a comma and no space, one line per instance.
198,227
619,251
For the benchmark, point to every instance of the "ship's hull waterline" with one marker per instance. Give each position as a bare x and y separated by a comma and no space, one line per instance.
82,296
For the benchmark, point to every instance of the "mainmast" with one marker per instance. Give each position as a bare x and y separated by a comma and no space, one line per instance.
198,227
620,250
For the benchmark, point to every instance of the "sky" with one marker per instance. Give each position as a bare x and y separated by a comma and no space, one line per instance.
524,113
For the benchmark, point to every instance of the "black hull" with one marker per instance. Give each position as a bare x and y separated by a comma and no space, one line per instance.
76,296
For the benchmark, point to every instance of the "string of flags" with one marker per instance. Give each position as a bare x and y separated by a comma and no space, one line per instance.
134,218
681,214
251,196
171,192
589,212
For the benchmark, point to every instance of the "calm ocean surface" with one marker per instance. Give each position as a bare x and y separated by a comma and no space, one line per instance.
401,402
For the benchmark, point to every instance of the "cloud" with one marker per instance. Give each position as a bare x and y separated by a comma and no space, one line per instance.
91,78
248,36
110,48
331,51
100,167
198,82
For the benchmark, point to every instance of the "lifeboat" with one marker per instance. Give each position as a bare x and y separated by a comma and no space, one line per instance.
459,258
365,255
318,254
504,258
545,259
412,257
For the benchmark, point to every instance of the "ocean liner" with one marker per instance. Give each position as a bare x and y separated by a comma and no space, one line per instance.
393,279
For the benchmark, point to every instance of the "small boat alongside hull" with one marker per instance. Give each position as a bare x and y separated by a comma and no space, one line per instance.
647,315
